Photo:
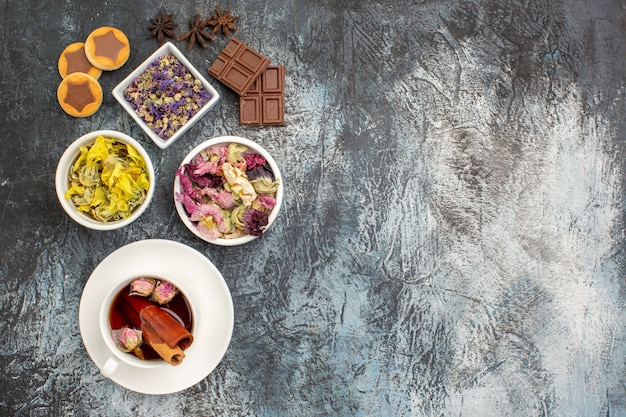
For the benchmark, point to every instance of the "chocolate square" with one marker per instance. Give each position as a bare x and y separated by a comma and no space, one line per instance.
238,66
250,110
264,104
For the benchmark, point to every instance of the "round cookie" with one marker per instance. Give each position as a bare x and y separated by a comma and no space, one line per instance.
73,59
107,48
79,94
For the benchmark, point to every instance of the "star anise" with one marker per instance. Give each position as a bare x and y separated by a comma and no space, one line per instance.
163,26
223,20
196,33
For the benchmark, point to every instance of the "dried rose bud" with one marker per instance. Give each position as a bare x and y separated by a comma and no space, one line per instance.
127,339
164,292
142,286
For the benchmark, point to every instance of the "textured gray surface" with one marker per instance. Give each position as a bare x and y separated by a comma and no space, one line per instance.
452,238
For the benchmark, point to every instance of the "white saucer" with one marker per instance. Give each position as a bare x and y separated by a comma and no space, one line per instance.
213,324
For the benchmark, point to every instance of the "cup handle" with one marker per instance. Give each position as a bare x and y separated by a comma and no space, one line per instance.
109,366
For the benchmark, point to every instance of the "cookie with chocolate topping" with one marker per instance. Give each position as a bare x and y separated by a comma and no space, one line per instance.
79,94
73,59
107,48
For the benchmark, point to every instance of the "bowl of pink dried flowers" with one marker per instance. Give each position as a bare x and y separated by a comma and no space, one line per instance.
228,190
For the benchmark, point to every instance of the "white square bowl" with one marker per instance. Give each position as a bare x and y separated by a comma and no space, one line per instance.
167,48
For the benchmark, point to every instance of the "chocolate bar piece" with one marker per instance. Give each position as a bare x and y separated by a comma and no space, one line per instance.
264,104
238,66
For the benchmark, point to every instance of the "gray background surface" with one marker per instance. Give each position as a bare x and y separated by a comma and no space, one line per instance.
452,237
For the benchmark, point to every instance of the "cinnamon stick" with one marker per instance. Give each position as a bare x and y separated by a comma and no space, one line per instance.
165,335
135,302
166,326
129,312
173,356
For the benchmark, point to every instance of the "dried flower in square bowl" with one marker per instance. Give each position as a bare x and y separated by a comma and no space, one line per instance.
228,190
166,95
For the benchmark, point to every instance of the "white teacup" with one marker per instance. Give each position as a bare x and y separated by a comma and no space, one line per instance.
118,357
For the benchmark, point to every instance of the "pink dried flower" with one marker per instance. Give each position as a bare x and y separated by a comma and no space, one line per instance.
208,216
253,160
164,292
188,202
266,202
127,339
212,220
210,160
254,221
222,197
186,185
142,286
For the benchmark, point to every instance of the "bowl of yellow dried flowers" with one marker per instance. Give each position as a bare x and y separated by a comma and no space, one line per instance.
105,180
228,190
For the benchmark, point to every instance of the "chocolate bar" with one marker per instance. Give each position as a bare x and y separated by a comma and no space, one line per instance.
238,66
264,104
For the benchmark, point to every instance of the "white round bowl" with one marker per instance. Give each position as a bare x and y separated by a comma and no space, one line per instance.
254,147
62,183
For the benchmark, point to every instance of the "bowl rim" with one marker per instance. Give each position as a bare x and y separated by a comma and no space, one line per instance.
257,148
69,156
118,94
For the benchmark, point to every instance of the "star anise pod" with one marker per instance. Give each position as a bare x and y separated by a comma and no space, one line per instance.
163,26
223,20
196,33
